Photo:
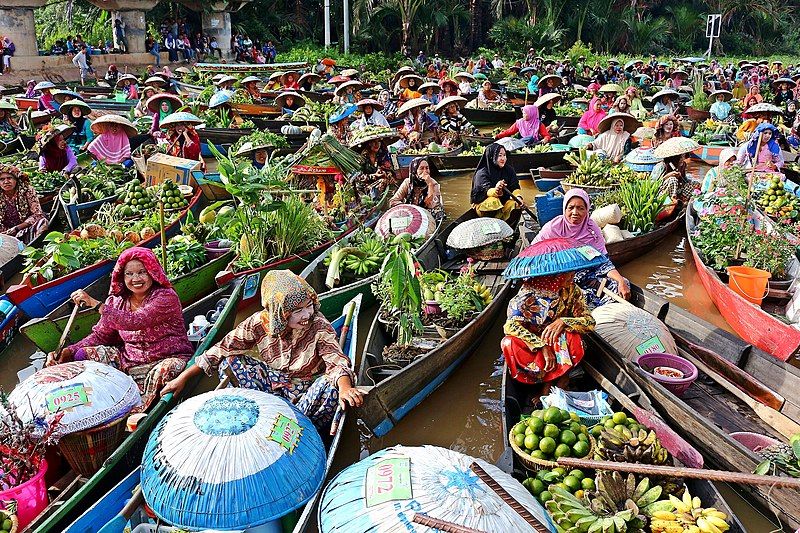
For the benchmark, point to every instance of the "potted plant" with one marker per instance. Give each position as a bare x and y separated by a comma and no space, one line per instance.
698,108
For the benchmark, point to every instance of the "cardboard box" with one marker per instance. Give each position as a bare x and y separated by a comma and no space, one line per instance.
162,167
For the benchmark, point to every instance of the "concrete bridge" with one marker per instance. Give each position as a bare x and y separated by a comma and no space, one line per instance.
17,22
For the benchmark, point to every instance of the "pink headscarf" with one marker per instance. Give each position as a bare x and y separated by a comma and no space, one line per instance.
148,259
591,118
528,125
111,147
587,232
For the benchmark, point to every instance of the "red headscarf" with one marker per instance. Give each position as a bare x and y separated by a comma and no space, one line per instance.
148,259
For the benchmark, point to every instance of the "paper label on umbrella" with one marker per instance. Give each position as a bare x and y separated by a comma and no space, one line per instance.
388,481
286,432
652,345
400,222
490,227
588,252
66,397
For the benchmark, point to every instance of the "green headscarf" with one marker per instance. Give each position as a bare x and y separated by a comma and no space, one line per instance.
164,114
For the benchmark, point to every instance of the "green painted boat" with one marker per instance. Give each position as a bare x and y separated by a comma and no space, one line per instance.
316,272
45,332
79,493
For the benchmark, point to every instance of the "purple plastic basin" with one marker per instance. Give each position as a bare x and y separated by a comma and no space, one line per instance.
650,361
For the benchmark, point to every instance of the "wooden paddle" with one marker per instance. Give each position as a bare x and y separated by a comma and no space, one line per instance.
521,203
775,419
348,319
63,340
679,471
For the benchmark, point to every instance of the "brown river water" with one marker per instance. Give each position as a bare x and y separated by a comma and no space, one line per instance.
464,414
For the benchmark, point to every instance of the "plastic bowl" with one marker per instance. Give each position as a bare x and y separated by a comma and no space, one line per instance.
678,386
753,441
31,496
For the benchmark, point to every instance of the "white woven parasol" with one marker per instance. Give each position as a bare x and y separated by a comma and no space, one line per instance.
409,218
632,331
88,394
478,232
385,490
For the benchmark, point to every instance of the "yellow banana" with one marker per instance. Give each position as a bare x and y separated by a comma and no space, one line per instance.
696,503
707,527
719,523
664,515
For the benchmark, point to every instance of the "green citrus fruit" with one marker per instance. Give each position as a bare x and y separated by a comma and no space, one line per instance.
562,450
560,471
519,427
580,449
577,474
547,445
568,437
596,430
609,424
536,424
574,416
545,496
538,454
537,487
619,417
531,442
572,483
551,430
587,483
575,427
519,439
552,415
583,437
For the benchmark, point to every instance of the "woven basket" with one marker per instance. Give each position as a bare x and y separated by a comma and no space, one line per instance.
87,450
533,464
590,189
490,252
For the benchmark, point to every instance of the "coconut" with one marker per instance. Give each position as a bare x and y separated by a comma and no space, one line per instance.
116,235
147,232
95,231
132,236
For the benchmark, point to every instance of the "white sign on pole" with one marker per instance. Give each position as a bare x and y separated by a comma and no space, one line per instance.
713,26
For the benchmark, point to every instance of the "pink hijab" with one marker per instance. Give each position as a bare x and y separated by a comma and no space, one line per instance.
587,232
528,125
591,118
147,258
111,147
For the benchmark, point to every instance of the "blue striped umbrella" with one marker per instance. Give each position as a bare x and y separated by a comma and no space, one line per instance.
231,459
385,490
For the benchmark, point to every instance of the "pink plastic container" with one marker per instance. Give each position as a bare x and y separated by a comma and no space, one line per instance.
754,441
677,386
31,497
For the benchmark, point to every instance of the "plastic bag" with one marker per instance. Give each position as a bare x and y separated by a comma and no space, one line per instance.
592,403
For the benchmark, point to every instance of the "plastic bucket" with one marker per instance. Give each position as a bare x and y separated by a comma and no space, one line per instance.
749,283
31,497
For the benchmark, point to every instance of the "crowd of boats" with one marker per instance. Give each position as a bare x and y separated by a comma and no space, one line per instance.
129,276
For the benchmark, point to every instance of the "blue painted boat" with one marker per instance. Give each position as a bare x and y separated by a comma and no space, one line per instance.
109,505
396,389
36,301
74,211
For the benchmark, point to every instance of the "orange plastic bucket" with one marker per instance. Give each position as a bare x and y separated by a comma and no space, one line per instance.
749,283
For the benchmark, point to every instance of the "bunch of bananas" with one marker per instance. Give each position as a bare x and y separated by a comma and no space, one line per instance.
591,169
688,516
573,516
374,250
624,447
483,292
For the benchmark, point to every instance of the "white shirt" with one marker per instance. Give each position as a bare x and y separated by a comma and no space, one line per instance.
464,87
376,119
498,63
79,60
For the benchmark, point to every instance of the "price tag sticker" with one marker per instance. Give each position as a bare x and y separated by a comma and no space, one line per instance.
400,222
491,227
588,252
652,345
388,480
286,432
66,397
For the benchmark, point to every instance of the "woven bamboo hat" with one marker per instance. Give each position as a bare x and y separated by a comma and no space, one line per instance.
181,117
376,105
441,106
675,146
665,92
127,77
411,104
610,88
280,100
157,81
764,107
66,107
726,94
544,79
464,76
630,122
542,100
341,89
406,79
97,125
788,81
363,136
250,79
429,85
285,76
154,102
478,232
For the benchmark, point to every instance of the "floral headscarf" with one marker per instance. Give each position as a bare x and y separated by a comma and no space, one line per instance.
772,144
147,258
283,292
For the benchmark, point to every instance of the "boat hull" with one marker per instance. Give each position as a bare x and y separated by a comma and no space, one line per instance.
625,251
749,321
522,163
489,117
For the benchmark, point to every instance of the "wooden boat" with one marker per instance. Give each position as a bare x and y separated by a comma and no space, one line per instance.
402,161
111,105
396,390
517,399
489,117
568,122
188,89
547,179
249,67
296,263
624,251
522,162
46,332
316,96
14,266
110,504
709,154
707,413
275,126
79,492
257,110
752,323
316,271
222,135
38,300
83,210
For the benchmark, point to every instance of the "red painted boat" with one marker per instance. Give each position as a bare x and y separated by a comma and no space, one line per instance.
750,322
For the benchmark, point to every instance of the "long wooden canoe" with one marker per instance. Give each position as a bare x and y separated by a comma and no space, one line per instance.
38,300
249,67
624,251
517,399
316,272
81,492
46,332
397,390
296,263
101,512
14,266
276,125
752,323
489,117
521,162
707,414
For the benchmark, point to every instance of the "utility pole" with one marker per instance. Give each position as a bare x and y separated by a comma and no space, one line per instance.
346,26
327,18
713,30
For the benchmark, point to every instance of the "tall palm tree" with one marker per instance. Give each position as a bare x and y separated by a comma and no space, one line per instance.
408,11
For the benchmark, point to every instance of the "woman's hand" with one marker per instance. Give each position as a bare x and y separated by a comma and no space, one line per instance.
350,396
81,297
53,359
549,358
553,331
623,289
500,186
175,386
